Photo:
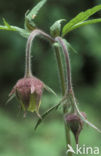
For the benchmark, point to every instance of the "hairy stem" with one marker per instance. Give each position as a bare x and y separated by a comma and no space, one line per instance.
64,49
60,67
31,37
61,73
28,71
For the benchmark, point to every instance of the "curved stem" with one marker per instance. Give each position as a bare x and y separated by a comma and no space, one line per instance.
69,87
59,39
61,73
31,37
28,71
69,81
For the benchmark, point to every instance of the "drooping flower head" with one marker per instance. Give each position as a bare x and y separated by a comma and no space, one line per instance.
29,91
75,123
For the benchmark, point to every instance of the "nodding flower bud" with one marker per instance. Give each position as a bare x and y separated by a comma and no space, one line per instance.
29,91
75,123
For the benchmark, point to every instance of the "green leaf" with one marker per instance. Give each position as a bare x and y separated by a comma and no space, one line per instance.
49,89
6,24
80,18
55,29
21,31
50,110
29,25
8,27
83,118
10,98
32,14
69,47
85,23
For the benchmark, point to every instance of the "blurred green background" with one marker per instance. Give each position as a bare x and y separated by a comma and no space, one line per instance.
17,135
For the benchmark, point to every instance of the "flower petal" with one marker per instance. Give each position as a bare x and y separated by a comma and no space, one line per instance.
32,89
32,103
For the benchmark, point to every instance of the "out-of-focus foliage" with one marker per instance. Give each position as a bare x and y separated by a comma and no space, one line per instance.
17,136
